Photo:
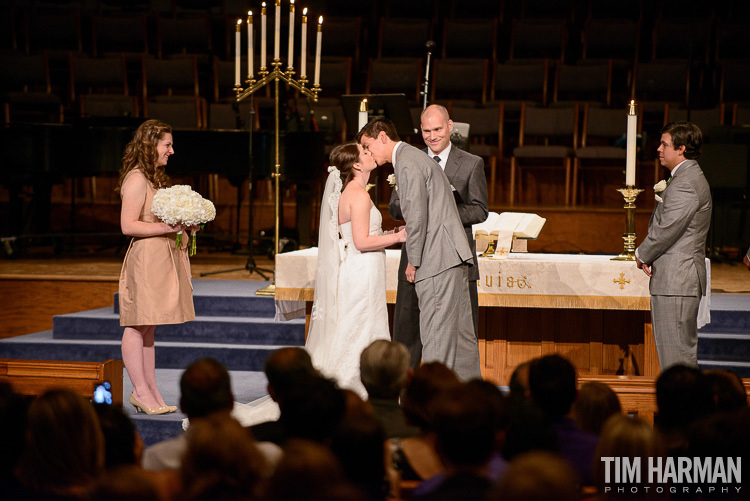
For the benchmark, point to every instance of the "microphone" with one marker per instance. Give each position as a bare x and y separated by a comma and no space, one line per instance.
430,46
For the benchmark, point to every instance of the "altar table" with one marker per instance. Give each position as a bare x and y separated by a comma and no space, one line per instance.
588,308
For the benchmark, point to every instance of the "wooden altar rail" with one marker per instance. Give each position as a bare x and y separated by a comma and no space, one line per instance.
637,394
34,377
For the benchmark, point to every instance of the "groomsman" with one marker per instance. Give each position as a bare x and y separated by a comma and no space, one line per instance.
465,173
673,254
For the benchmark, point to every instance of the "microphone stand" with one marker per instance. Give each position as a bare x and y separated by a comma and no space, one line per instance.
430,46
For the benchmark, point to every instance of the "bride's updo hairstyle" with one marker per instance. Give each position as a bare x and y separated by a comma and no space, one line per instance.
344,156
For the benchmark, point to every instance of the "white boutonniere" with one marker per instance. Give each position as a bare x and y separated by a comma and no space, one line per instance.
392,181
658,188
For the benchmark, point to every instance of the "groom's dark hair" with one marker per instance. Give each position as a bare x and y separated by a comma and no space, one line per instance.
377,125
685,134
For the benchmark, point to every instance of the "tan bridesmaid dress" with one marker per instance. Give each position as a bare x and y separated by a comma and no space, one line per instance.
155,280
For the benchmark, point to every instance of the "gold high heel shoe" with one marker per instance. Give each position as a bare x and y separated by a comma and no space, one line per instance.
140,407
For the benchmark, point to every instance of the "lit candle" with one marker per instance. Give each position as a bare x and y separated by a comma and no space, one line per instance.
303,56
249,45
277,31
237,36
630,149
317,51
362,118
290,57
263,36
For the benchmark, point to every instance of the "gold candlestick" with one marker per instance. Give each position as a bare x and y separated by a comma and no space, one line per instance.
629,193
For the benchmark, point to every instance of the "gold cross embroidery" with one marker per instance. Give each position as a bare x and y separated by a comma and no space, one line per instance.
621,281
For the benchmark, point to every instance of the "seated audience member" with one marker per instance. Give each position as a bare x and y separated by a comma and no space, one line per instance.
538,476
122,443
64,453
384,367
309,471
222,462
595,404
415,458
12,431
552,382
497,465
358,445
282,368
528,430
727,390
683,396
205,389
312,409
126,483
462,421
623,436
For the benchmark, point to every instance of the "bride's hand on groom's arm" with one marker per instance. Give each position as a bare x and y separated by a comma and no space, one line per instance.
400,234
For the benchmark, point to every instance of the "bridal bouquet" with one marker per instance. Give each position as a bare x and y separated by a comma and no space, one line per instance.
179,204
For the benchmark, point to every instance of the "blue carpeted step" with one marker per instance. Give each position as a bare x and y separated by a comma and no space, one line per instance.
226,298
170,355
724,346
103,324
730,313
741,368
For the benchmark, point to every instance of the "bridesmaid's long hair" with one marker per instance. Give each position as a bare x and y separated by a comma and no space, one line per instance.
344,156
140,153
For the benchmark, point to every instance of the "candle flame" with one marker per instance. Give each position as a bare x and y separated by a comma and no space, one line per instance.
239,22
304,11
291,2
250,13
263,5
320,20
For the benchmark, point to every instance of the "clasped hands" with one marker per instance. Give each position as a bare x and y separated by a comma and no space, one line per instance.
646,268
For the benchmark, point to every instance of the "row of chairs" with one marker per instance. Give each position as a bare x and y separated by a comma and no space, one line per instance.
711,39
89,84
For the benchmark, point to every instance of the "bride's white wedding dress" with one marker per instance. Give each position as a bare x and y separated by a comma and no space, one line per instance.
349,311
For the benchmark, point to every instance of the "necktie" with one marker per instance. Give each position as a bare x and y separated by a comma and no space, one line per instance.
437,159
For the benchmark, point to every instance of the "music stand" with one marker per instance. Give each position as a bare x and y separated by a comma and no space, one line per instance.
394,107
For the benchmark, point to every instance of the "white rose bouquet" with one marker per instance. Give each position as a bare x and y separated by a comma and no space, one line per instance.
179,204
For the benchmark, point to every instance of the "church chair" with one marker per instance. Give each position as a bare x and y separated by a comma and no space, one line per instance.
735,81
658,83
395,75
222,113
485,129
669,39
624,10
403,37
583,83
519,82
460,79
26,90
548,9
615,40
740,114
477,9
120,33
99,87
343,37
547,139
55,30
732,39
171,92
538,39
601,129
470,38
183,36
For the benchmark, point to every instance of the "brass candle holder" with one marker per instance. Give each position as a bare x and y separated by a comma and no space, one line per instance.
629,193
265,77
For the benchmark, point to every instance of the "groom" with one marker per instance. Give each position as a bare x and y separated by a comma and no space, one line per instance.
439,254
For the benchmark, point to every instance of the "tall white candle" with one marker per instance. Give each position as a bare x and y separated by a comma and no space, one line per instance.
249,45
290,56
362,118
630,149
317,51
303,43
263,36
277,31
237,35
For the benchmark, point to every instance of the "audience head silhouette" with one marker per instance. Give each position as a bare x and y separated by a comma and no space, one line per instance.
383,368
552,382
205,388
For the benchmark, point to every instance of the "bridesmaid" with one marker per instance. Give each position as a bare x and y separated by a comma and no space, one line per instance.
155,287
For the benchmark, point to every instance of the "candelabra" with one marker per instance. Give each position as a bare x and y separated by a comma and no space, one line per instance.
265,77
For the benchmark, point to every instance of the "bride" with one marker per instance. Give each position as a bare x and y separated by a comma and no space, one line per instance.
349,311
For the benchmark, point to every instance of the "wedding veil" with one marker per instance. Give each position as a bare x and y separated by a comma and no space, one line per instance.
324,313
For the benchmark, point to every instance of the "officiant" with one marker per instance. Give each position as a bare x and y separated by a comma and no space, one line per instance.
465,172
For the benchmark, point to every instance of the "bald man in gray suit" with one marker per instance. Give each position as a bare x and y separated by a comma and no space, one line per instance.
673,254
439,253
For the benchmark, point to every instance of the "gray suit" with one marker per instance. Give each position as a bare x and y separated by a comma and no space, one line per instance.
675,247
437,246
465,173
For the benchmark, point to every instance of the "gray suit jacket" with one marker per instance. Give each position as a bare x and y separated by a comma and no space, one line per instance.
675,246
436,238
465,172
